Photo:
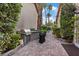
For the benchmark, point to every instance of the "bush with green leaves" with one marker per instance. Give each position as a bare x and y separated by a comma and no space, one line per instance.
67,23
43,28
9,15
56,31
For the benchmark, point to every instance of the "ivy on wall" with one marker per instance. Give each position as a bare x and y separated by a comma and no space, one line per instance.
67,22
9,15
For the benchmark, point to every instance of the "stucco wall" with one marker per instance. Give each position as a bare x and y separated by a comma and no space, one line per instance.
76,28
76,32
28,18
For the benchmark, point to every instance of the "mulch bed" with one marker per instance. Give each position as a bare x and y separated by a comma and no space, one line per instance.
71,49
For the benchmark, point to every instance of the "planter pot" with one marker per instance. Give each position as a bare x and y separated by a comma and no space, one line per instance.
42,37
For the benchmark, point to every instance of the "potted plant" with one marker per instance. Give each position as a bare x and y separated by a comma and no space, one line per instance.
42,34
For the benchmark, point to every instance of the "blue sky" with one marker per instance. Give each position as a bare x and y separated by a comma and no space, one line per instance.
53,12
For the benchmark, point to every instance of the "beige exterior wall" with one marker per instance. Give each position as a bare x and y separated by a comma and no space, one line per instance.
76,29
76,32
28,18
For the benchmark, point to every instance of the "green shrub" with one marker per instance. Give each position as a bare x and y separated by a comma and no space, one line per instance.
43,28
67,21
56,31
14,40
9,15
9,42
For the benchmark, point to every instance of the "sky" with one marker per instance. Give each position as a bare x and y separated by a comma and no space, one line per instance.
53,12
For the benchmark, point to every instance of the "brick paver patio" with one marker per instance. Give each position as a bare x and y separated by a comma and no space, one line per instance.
51,47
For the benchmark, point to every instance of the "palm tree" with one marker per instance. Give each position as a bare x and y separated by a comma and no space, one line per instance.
44,6
50,7
48,15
